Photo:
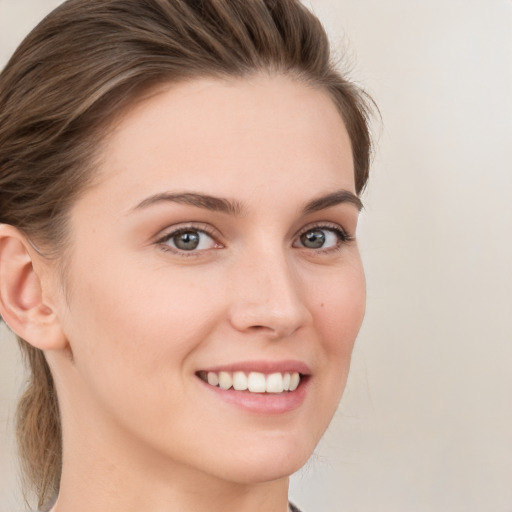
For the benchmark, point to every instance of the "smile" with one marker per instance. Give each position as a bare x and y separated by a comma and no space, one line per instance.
253,382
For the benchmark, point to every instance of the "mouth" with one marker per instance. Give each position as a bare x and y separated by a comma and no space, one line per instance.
259,387
253,382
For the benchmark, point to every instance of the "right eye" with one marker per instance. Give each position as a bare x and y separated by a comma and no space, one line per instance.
189,240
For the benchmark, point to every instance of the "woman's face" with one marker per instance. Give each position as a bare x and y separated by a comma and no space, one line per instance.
217,243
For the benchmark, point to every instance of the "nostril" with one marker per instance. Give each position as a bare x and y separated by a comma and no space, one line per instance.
259,328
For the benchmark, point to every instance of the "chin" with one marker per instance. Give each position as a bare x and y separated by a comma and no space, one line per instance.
267,462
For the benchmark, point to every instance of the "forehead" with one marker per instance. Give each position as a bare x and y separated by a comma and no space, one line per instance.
231,137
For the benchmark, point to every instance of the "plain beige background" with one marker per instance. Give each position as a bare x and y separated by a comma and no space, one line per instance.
426,421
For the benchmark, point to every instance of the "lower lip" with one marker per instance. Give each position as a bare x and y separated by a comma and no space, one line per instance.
263,403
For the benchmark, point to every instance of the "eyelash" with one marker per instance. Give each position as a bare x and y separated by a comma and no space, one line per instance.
200,228
342,235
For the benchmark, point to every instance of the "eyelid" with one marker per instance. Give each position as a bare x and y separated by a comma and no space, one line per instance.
344,235
174,230
168,233
334,226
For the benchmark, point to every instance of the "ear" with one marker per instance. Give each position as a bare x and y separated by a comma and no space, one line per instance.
22,298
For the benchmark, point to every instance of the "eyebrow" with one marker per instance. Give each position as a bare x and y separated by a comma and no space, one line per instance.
333,199
236,208
216,204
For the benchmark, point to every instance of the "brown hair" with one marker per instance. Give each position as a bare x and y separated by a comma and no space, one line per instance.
82,66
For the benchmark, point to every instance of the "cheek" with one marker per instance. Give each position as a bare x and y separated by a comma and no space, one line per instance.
339,314
341,308
132,327
133,339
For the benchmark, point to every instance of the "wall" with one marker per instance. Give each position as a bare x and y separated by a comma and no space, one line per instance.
426,421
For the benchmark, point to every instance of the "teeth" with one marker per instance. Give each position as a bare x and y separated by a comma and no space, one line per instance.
286,381
294,381
240,381
255,382
225,380
275,383
213,379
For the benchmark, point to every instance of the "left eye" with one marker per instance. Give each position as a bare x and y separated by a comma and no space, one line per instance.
320,238
190,240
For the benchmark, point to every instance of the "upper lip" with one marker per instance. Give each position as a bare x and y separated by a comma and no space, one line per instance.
267,367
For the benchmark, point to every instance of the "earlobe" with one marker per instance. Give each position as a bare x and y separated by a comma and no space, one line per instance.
22,303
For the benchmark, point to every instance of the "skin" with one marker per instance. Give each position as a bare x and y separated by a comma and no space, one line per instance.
140,318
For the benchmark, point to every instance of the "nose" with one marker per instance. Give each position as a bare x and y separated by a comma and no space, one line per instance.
267,297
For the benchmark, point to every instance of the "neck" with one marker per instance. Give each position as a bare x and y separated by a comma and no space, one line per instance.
109,489
174,499
108,473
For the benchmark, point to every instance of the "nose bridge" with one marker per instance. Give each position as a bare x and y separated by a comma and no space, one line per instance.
268,294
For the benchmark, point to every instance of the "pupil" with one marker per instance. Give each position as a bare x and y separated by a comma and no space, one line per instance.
313,239
187,241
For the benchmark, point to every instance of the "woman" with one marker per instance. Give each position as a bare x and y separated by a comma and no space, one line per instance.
179,189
